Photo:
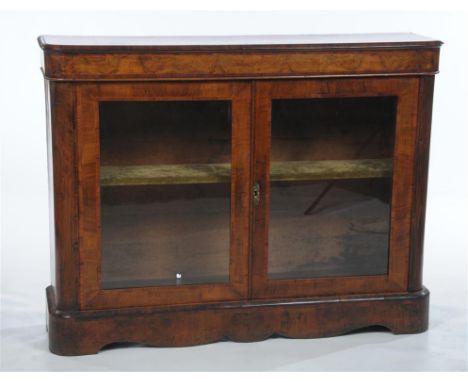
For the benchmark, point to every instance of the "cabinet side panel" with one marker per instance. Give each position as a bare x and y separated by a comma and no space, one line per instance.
421,165
50,182
62,152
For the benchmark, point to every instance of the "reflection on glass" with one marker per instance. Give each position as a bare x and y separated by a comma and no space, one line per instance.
165,192
330,173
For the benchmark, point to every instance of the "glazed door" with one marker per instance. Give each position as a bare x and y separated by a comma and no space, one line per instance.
333,173
164,192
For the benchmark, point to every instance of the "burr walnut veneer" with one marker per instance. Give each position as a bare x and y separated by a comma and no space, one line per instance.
236,187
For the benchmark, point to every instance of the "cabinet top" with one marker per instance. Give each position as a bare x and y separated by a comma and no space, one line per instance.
68,58
107,44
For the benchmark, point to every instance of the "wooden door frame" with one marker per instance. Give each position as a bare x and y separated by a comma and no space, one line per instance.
406,89
88,97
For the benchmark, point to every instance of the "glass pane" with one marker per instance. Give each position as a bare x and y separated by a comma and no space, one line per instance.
165,192
330,172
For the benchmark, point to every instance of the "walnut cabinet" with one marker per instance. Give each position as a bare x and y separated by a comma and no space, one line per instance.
236,187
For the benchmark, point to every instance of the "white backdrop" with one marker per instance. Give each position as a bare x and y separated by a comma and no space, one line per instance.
24,201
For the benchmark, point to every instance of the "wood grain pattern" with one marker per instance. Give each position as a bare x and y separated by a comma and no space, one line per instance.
152,58
79,333
167,66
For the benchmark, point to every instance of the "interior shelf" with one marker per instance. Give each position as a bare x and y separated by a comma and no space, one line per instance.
330,169
221,172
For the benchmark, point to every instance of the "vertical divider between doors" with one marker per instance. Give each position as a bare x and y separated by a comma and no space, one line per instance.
259,261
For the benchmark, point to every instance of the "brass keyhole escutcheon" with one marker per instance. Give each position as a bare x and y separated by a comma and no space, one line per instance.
256,194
